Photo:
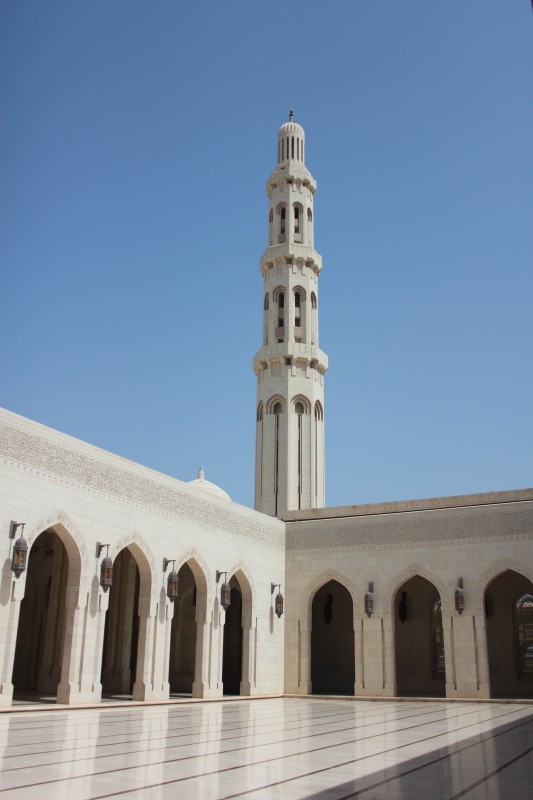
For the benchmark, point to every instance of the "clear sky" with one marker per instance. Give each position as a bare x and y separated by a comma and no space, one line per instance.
136,140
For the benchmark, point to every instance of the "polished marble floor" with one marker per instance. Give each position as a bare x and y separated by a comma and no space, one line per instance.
284,748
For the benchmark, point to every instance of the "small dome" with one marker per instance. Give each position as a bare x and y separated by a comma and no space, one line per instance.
208,488
291,127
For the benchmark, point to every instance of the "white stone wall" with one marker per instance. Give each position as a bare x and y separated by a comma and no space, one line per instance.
476,538
49,480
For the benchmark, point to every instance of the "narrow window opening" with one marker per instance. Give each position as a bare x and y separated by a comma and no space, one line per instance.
296,219
292,147
523,635
282,215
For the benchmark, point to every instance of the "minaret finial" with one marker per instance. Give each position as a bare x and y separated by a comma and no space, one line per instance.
201,474
291,115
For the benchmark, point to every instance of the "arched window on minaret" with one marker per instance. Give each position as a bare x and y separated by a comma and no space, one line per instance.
275,407
270,228
299,314
319,442
282,211
309,227
298,221
260,412
301,407
279,297
314,319
265,319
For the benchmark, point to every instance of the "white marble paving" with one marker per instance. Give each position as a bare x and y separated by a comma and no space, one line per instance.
277,748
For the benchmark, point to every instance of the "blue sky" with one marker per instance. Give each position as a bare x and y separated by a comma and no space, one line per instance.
136,140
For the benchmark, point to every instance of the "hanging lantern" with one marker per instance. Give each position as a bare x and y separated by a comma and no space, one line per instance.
459,597
369,600
106,567
225,590
20,553
225,595
278,603
172,586
172,580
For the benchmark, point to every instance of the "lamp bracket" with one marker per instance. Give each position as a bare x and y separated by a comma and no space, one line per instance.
167,561
220,573
100,547
13,528
273,586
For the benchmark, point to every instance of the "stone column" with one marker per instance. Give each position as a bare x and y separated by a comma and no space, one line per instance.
248,655
372,631
449,655
149,683
11,595
304,648
163,632
482,654
359,686
201,686
464,652
388,657
76,603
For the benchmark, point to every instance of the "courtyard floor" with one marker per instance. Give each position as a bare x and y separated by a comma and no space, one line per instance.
274,748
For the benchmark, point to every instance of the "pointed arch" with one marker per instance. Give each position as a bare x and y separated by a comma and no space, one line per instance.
306,598
143,556
246,583
303,401
273,401
446,595
200,571
73,540
319,411
493,571
259,415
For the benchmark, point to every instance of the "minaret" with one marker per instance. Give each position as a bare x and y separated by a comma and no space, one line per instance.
290,367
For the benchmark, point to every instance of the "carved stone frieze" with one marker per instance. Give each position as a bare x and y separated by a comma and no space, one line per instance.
34,448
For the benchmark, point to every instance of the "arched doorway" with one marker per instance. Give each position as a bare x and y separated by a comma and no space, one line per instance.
121,633
183,634
332,641
419,640
509,626
41,627
232,653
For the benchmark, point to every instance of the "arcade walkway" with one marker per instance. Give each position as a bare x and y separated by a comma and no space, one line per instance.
267,749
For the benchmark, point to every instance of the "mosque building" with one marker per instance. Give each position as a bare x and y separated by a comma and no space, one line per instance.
119,581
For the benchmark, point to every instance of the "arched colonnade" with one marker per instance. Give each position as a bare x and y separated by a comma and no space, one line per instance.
70,641
415,641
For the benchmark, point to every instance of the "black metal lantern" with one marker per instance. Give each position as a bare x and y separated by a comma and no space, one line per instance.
172,580
369,600
402,608
459,597
225,591
278,603
106,567
20,550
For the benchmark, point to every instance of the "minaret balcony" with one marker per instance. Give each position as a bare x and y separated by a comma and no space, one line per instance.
291,251
288,350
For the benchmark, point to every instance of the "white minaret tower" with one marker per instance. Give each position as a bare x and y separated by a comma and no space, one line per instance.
290,367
